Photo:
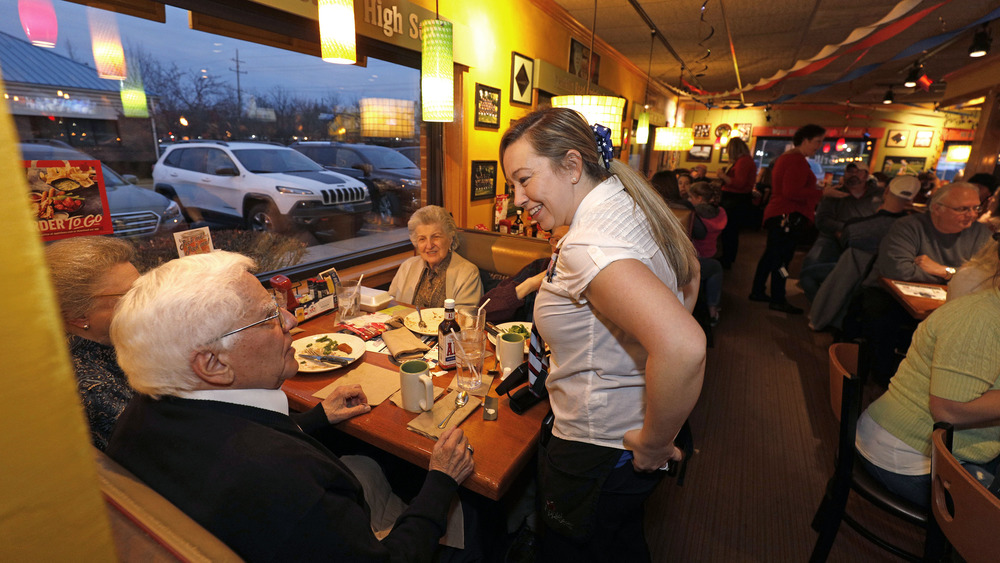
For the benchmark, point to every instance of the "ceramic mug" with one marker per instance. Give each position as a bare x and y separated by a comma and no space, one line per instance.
510,352
416,386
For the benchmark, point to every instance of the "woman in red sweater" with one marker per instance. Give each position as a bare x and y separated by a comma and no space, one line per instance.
737,197
794,195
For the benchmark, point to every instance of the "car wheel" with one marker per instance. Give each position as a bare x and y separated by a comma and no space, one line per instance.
264,217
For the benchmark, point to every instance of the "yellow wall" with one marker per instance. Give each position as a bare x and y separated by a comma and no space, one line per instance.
50,505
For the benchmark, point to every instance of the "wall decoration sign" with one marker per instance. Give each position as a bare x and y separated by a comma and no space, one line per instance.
522,78
744,130
897,138
700,153
903,165
724,154
484,179
579,54
923,139
487,106
702,130
68,198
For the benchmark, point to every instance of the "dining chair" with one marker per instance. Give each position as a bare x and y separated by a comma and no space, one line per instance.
967,513
849,474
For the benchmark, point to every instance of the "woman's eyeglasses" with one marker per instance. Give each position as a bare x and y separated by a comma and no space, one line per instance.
965,209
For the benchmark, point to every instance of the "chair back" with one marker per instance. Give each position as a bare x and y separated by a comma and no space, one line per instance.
684,215
968,514
843,364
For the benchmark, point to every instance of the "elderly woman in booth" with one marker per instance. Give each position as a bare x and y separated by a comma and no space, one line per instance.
90,274
437,272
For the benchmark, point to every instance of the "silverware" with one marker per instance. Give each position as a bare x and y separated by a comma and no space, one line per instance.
420,316
492,329
460,401
339,360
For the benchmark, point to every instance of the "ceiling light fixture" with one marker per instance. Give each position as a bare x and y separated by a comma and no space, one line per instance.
437,70
337,39
889,97
642,131
38,18
914,75
980,43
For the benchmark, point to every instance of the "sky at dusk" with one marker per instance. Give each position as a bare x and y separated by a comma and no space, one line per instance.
266,67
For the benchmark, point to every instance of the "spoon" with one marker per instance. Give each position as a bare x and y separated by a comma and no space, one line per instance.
460,401
421,324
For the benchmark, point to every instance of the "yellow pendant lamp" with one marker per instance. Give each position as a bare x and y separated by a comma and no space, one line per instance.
387,117
674,138
106,44
437,71
338,41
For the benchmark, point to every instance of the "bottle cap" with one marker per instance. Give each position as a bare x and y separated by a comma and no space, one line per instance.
449,303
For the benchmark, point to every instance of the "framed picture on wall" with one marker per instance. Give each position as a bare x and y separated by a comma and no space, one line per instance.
903,165
702,130
522,78
700,153
484,179
744,130
724,154
897,138
487,106
579,54
923,139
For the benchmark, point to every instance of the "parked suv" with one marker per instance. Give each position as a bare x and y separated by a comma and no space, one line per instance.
260,186
392,179
135,211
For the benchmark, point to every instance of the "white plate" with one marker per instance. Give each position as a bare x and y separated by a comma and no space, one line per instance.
311,366
504,327
432,318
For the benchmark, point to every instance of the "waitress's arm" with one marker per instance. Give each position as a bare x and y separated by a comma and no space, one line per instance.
979,412
651,313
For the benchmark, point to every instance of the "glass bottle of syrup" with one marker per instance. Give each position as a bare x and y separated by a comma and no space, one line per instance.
446,340
518,227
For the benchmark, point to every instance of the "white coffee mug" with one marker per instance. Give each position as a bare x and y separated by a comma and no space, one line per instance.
416,386
510,352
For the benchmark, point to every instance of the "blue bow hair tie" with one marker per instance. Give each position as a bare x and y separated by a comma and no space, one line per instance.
602,135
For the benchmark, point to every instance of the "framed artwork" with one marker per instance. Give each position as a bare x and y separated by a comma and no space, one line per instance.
700,153
897,138
923,138
484,179
744,130
579,54
487,106
702,130
903,165
522,78
724,154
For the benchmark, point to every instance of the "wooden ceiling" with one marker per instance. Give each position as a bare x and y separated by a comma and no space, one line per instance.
769,36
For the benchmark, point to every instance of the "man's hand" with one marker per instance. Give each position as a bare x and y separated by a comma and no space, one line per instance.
345,402
451,455
647,458
834,191
925,263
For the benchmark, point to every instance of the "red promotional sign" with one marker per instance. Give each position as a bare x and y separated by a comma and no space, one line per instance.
68,197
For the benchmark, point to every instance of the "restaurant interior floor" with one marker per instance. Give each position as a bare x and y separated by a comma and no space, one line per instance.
765,438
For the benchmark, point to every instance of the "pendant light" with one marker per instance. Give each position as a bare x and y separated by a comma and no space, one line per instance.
38,18
980,43
606,110
338,42
889,97
914,75
674,138
642,132
133,93
106,44
437,70
387,117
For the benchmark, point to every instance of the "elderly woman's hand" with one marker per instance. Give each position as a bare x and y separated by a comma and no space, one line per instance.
345,402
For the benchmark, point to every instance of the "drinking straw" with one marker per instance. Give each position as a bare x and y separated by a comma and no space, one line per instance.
483,306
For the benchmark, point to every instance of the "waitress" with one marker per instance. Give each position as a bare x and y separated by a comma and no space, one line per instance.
624,372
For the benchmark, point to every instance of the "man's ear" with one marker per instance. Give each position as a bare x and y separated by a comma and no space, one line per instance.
211,367
80,322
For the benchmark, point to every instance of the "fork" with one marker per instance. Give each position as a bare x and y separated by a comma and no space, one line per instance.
421,324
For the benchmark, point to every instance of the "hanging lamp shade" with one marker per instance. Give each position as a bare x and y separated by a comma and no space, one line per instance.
106,44
38,18
606,110
386,117
337,39
642,131
133,93
437,70
673,138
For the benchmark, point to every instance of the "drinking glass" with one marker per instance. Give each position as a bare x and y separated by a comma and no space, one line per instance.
349,298
470,319
470,351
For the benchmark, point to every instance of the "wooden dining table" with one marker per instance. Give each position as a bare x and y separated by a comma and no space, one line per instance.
503,447
919,307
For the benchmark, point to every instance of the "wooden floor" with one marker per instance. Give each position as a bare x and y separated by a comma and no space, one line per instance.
765,438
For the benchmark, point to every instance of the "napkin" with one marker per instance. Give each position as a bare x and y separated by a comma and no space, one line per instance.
377,383
397,397
480,391
426,423
403,345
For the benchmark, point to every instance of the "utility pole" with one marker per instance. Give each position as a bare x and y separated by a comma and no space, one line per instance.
239,91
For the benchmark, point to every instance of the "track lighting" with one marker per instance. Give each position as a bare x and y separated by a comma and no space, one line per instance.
980,43
914,75
889,97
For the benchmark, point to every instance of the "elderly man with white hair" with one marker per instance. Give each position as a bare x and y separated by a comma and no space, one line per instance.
207,349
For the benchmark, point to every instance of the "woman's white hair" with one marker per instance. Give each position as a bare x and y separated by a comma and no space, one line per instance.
433,215
172,312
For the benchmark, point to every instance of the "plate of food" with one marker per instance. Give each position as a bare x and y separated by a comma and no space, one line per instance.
523,328
432,318
327,344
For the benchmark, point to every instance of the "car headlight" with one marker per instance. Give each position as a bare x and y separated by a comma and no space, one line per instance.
410,183
172,211
292,191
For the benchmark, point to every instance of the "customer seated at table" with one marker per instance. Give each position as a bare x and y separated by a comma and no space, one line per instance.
514,298
210,430
979,273
437,272
705,198
89,275
665,182
951,373
925,247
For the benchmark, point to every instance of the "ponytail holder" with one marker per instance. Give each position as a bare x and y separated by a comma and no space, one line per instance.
602,135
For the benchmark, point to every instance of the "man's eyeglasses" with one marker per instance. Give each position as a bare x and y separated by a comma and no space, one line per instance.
275,314
965,209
